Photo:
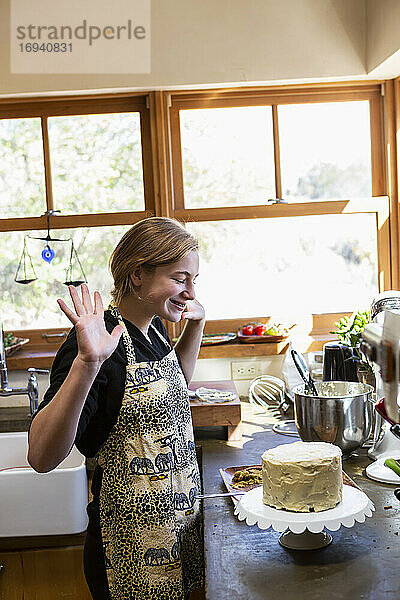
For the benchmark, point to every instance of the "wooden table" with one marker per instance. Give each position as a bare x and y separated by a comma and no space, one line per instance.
222,413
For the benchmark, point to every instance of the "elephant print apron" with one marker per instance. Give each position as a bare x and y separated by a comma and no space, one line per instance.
150,521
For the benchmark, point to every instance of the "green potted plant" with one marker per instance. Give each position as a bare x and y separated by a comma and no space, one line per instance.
348,330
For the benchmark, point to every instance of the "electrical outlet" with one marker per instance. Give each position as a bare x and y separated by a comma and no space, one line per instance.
245,370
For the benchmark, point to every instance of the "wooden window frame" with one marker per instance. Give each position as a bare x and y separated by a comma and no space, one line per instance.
68,106
380,203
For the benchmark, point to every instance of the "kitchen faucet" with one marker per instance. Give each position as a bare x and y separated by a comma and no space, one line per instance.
32,388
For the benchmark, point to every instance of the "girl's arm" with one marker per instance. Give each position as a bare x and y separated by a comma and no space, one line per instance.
53,430
188,344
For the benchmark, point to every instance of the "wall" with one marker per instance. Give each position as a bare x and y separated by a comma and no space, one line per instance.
219,368
383,38
228,41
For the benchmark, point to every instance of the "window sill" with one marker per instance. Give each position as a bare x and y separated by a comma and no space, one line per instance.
239,350
31,357
42,358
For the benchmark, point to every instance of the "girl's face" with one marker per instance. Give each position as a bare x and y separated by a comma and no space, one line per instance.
166,291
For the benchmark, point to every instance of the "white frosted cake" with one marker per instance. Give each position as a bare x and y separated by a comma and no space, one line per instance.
303,476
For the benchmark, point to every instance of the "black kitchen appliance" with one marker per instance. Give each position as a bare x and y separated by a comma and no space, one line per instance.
339,364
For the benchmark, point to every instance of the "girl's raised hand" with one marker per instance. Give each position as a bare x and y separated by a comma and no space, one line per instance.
95,344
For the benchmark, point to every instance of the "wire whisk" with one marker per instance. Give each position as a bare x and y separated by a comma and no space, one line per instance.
268,391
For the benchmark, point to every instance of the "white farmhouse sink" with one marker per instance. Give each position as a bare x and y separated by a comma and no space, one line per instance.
40,503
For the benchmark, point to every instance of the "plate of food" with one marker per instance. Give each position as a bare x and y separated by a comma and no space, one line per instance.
13,343
254,333
241,478
221,338
215,338
211,395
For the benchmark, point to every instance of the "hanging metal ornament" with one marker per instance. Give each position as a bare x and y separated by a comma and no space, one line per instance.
73,259
25,272
48,253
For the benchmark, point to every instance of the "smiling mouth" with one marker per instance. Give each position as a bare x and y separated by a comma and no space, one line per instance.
179,305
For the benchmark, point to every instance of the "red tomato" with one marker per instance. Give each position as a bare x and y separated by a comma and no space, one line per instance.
259,330
248,330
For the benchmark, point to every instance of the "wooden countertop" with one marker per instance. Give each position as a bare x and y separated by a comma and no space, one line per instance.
227,414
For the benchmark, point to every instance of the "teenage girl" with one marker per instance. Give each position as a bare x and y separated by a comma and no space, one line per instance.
119,391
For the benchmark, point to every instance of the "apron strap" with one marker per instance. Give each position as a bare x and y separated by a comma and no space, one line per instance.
130,351
160,335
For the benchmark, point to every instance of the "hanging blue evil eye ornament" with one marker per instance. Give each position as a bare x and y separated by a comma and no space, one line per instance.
48,254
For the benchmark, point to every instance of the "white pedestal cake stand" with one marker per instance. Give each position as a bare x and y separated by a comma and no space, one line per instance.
305,530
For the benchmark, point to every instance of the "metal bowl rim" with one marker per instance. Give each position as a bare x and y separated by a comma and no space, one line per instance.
368,390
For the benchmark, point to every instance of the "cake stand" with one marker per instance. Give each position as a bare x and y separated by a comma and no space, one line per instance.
305,530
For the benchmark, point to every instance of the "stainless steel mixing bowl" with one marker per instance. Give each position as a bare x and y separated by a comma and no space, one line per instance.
341,414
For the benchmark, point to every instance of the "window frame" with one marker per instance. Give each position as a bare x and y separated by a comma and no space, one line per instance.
68,106
379,203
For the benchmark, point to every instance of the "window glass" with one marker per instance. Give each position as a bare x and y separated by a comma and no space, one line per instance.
287,266
325,150
22,189
96,163
227,156
34,305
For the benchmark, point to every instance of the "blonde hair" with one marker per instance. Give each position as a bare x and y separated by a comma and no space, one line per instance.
149,243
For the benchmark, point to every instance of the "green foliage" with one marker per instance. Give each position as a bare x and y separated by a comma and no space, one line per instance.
96,163
349,330
327,180
22,189
8,339
223,163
